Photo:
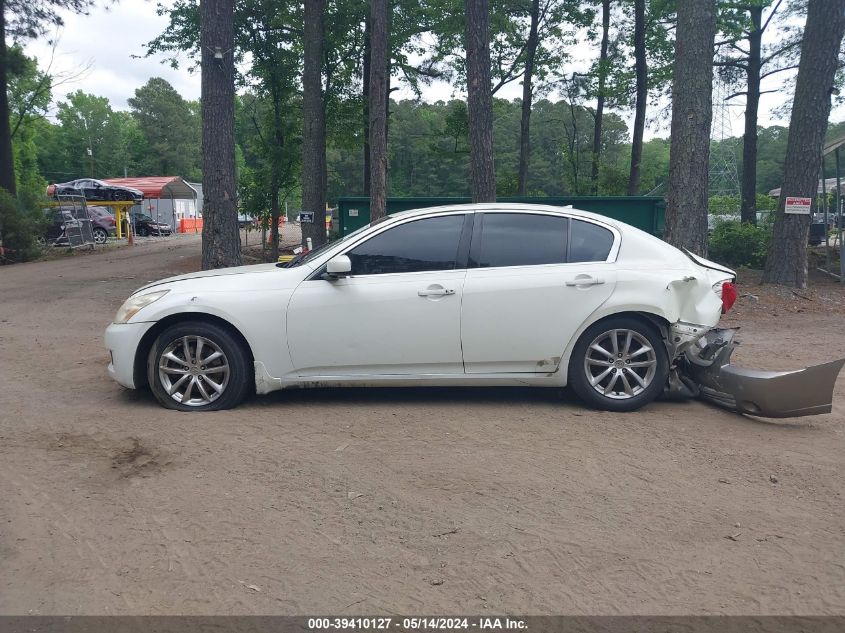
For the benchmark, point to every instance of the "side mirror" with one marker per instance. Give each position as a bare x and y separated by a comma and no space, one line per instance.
339,266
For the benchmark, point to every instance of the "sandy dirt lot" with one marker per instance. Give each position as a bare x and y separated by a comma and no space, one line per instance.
401,501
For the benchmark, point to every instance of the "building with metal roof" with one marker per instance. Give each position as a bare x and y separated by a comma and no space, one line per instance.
167,199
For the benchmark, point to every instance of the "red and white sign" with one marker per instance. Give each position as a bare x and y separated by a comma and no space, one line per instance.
799,206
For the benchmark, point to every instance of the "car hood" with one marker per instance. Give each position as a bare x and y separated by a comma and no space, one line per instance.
219,272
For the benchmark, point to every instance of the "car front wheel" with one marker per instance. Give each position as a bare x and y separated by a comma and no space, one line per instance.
619,364
197,366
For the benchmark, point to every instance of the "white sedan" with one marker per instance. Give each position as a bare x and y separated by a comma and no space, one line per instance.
494,294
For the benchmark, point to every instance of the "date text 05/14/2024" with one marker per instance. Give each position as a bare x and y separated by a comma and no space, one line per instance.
416,623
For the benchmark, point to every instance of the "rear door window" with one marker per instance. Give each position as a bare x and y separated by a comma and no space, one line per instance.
522,239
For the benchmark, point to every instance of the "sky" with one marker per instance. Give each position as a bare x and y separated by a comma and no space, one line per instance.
110,44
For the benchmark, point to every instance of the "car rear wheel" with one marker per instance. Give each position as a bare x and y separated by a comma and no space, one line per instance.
143,232
619,364
101,236
196,366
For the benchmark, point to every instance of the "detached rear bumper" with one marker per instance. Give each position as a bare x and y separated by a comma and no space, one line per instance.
770,394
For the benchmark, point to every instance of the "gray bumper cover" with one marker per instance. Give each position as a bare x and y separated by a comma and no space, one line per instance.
772,394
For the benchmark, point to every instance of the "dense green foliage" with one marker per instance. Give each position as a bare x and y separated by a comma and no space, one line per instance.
428,152
160,136
20,224
729,205
739,245
168,128
429,155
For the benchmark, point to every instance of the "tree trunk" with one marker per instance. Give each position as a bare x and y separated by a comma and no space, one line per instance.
748,210
605,40
276,152
786,263
692,113
7,161
527,98
378,111
365,94
275,213
314,126
641,70
479,100
221,244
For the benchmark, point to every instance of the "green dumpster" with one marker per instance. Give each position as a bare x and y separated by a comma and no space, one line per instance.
644,212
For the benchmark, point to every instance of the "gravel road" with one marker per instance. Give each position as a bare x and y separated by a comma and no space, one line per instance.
400,501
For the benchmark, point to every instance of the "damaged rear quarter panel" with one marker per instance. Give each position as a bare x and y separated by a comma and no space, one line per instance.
657,278
682,294
676,295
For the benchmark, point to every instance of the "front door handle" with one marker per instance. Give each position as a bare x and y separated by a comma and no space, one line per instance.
584,281
436,291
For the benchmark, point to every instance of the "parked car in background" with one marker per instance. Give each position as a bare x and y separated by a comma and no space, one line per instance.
65,220
93,189
102,223
145,225
59,219
487,294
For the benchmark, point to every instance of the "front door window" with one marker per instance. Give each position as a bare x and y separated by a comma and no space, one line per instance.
422,245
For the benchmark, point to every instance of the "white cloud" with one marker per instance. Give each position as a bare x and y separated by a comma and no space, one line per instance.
107,40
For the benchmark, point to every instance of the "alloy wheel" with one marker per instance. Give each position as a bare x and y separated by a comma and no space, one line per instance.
620,364
193,370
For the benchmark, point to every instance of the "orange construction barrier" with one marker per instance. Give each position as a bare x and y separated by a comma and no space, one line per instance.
190,225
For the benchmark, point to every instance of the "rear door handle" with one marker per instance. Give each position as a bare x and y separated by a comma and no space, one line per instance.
584,281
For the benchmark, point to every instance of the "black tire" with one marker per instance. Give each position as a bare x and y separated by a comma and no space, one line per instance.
101,236
235,386
142,232
637,390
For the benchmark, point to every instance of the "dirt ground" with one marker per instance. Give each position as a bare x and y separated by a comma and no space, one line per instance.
401,501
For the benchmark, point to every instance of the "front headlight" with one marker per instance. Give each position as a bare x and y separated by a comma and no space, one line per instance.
133,304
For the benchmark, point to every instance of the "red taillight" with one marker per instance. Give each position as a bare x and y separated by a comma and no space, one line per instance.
729,296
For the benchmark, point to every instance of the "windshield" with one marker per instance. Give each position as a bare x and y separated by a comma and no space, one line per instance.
301,259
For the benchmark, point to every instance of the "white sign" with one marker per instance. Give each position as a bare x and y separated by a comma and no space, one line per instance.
353,213
799,206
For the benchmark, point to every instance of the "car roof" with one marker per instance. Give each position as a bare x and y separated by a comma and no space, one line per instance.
514,207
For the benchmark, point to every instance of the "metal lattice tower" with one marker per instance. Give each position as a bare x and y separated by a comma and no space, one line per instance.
724,175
